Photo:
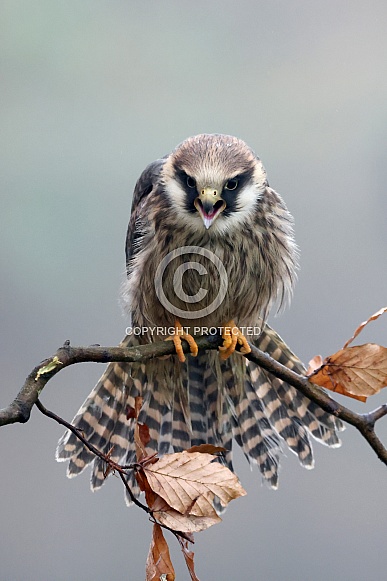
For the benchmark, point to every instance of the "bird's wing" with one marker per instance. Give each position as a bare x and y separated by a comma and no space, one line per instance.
145,187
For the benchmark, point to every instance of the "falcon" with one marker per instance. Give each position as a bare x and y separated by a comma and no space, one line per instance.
210,245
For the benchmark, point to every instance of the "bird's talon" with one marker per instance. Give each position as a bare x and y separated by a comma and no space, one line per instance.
245,350
231,336
245,347
177,338
225,354
227,338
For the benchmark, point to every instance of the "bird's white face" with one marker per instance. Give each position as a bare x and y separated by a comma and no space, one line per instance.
214,182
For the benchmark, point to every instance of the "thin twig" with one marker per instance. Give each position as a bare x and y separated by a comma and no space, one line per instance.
105,457
114,467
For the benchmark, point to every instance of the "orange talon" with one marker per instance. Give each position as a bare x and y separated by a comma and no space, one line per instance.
177,338
227,337
231,336
245,347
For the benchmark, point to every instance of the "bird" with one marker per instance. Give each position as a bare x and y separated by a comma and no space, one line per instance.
210,245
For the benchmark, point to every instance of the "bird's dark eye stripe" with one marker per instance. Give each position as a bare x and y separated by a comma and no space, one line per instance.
236,183
190,189
191,183
185,180
231,196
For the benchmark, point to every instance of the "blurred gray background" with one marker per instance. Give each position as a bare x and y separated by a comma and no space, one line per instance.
91,92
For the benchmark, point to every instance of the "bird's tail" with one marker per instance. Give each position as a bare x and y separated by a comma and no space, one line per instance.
204,401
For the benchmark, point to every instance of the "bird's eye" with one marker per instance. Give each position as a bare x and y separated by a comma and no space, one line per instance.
191,183
231,184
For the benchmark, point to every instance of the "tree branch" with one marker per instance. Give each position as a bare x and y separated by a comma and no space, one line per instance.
20,409
364,423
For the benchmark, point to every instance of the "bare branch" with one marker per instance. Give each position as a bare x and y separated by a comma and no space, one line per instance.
19,410
363,422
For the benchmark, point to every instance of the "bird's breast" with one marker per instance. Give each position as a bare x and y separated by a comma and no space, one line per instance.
201,284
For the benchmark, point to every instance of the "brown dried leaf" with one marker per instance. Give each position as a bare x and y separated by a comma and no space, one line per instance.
144,435
356,372
189,558
142,482
170,517
141,431
314,364
176,521
130,412
140,448
364,323
188,482
207,449
159,564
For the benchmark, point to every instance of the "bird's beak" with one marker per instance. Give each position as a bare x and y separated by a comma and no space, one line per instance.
209,204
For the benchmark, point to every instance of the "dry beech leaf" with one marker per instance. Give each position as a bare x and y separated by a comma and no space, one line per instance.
188,482
171,518
141,431
364,323
159,564
189,558
130,412
207,449
180,489
357,372
314,364
176,521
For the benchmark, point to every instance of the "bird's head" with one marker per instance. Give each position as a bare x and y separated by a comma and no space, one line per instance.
213,181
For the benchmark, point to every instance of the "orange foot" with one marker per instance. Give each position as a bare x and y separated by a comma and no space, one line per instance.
178,336
231,336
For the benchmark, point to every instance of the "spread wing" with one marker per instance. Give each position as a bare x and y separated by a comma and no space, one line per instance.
146,184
